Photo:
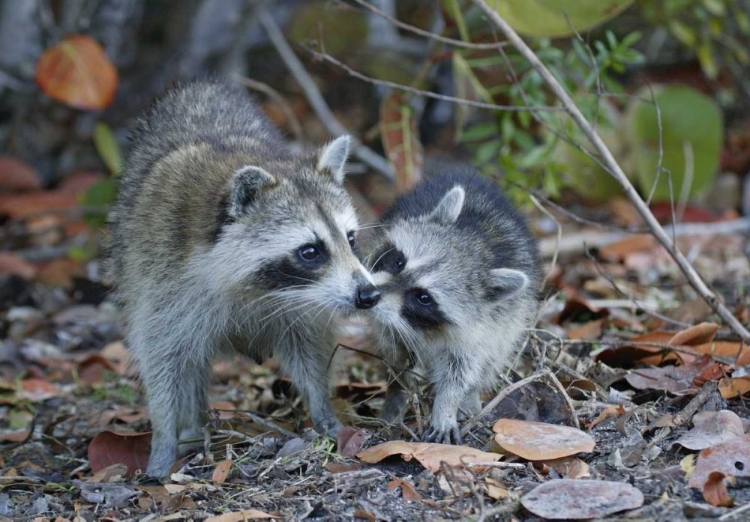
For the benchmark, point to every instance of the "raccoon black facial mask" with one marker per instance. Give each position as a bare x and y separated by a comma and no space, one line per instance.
222,233
458,271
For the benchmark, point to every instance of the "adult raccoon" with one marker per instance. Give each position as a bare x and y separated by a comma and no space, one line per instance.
459,272
223,239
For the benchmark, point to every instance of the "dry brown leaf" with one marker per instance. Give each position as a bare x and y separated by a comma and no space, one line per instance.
427,454
715,490
586,331
731,458
613,410
570,467
13,264
361,513
731,387
37,390
698,334
17,175
407,489
221,472
17,206
676,380
740,352
398,129
711,428
109,474
567,499
224,409
495,489
109,447
335,467
77,72
350,440
620,250
540,441
118,356
239,516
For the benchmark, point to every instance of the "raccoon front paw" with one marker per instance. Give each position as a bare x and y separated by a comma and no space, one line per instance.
444,435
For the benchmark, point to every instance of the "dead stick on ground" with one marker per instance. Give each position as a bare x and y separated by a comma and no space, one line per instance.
312,93
615,171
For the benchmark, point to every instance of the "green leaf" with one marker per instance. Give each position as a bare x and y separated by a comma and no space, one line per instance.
107,147
556,18
705,55
683,33
100,196
487,152
695,134
480,131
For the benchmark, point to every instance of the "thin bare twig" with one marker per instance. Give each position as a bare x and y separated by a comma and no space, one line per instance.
428,94
428,34
574,243
616,171
365,154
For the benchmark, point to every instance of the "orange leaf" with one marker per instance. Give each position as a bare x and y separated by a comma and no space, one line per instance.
619,250
12,264
715,490
19,206
613,410
698,334
407,489
37,390
733,387
221,472
732,350
540,441
78,73
427,454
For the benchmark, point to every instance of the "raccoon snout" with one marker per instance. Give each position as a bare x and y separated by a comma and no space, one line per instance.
367,297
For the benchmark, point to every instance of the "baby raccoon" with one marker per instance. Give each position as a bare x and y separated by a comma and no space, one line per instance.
223,239
458,270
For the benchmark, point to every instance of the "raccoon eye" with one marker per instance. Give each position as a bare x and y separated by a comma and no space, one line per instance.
309,252
424,298
400,263
352,240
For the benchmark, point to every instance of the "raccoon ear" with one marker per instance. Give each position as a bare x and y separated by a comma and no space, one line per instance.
506,282
449,208
248,182
332,158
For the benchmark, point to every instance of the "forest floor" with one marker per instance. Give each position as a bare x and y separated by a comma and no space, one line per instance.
626,356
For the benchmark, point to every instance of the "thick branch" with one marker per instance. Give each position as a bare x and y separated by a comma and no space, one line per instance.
616,171
312,93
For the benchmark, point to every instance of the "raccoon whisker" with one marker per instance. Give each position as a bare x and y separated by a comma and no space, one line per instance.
298,277
277,314
378,259
287,308
321,306
372,225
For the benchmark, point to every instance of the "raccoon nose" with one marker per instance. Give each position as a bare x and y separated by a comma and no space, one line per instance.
367,297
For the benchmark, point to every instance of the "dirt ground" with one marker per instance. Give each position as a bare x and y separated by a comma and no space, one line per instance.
651,390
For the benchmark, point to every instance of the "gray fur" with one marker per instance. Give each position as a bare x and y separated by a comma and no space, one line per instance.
206,254
456,244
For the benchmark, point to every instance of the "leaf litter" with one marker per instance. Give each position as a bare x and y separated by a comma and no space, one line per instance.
660,404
